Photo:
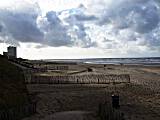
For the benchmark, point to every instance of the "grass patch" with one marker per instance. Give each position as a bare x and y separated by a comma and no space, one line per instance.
13,91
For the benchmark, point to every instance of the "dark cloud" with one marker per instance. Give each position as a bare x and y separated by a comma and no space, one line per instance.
121,22
83,17
79,14
59,34
130,23
1,27
139,15
53,18
21,25
55,31
153,39
77,19
27,25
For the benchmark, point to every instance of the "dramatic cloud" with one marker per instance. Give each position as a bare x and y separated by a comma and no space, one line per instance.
77,21
124,26
26,24
55,33
128,23
141,17
19,23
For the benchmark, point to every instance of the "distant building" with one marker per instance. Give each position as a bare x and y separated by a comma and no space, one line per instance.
12,52
5,54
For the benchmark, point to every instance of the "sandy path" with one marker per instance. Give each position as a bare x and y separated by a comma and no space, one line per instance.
66,115
71,115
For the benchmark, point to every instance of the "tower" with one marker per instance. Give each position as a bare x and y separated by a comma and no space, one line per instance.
12,52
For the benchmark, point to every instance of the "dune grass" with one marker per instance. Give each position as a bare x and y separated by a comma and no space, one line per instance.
13,91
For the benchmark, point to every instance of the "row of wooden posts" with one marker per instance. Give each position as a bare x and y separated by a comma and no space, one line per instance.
107,112
19,112
81,79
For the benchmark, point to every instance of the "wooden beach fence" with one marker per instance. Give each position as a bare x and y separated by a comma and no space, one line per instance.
19,112
79,79
106,112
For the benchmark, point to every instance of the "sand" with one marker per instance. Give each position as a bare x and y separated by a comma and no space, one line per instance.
139,100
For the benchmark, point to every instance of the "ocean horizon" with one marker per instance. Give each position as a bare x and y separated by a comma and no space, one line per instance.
144,60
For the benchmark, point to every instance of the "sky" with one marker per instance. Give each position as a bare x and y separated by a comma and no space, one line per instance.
70,29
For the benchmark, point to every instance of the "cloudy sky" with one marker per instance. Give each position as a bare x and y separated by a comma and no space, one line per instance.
48,29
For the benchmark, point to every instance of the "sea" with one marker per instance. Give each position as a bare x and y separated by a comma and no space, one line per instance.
135,61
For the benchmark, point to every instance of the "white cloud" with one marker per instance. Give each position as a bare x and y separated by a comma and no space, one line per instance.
120,28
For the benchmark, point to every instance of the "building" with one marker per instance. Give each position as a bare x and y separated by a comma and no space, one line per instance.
12,52
5,54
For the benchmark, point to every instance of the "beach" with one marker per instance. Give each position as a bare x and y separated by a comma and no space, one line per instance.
139,99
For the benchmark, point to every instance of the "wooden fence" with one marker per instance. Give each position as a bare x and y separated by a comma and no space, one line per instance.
79,79
106,112
17,113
